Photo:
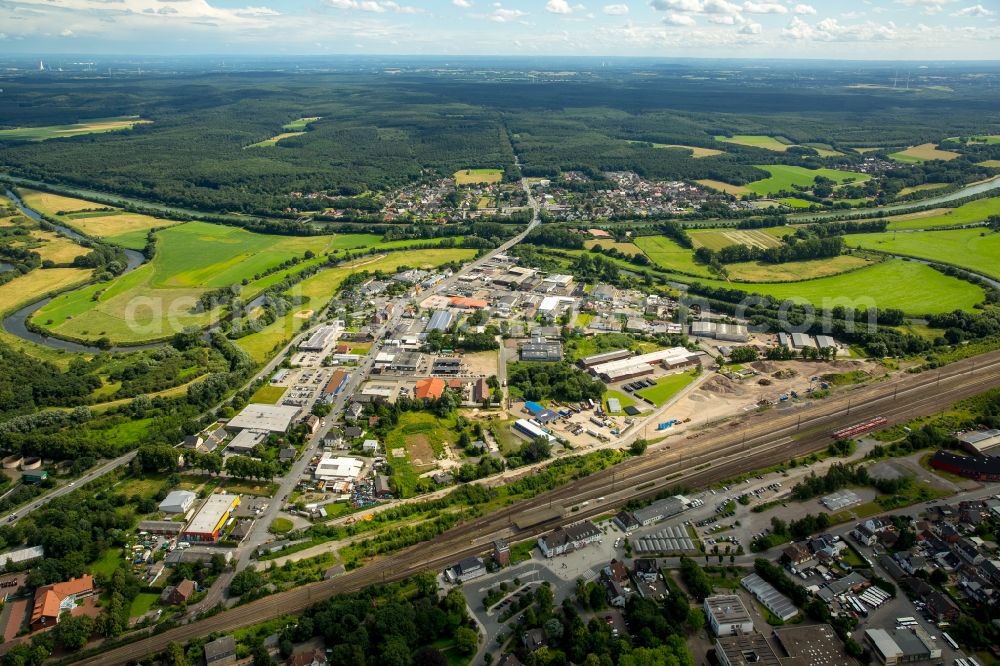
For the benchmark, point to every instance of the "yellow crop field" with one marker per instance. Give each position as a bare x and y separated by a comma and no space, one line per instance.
478,176
53,204
716,239
57,249
267,143
738,190
32,286
923,153
116,225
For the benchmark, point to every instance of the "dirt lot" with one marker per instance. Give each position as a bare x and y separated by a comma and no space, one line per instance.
481,364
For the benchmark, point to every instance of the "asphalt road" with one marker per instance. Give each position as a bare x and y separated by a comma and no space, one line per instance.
765,439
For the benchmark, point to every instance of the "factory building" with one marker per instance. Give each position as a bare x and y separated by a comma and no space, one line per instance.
211,518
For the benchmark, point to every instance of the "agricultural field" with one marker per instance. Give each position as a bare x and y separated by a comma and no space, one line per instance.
888,284
667,387
609,244
968,213
159,297
57,249
793,202
754,271
718,185
921,188
823,149
975,249
758,141
989,139
318,289
923,153
94,126
478,176
696,151
48,203
301,124
666,253
273,141
716,239
994,164
96,220
787,178
34,285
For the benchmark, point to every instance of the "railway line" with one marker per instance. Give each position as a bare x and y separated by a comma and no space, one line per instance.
754,442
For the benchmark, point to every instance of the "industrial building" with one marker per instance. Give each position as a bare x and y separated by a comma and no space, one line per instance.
439,321
801,340
270,418
825,342
336,384
21,555
652,514
338,469
322,338
720,331
245,441
814,645
528,429
980,468
637,366
405,361
541,350
901,646
774,601
978,441
177,501
745,650
606,357
211,518
429,389
446,366
727,615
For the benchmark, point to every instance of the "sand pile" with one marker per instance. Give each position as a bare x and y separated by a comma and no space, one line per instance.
722,385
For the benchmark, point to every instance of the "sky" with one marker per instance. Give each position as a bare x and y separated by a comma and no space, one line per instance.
837,29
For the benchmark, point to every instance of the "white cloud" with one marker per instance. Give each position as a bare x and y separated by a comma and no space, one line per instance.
805,10
764,8
850,16
974,10
616,10
502,15
697,6
751,29
256,11
464,4
830,30
66,32
724,19
929,6
674,18
558,7
371,6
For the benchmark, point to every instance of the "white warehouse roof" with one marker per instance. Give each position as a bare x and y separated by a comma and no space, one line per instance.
332,468
272,418
178,501
613,368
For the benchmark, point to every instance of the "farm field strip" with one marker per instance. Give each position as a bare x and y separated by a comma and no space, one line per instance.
968,213
716,239
273,141
757,141
94,126
968,248
785,178
478,176
737,190
666,253
923,153
697,152
794,271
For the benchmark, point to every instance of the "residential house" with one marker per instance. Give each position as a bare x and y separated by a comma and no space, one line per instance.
220,651
174,595
51,600
645,569
315,657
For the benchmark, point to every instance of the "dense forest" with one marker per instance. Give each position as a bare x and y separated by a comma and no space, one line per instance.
376,133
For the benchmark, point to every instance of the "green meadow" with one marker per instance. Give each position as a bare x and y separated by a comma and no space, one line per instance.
976,249
786,178
968,213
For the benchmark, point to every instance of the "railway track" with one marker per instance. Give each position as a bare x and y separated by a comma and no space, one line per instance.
757,441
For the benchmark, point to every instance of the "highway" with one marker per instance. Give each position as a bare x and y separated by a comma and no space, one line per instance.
761,440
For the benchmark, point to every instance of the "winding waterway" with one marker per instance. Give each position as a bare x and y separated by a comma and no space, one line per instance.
17,323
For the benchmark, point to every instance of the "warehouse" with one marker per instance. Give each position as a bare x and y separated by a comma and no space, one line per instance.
977,441
320,339
606,357
405,362
541,350
901,646
440,321
720,331
774,601
980,468
334,469
727,615
446,366
270,418
211,518
637,366
825,342
801,340
177,501
245,441
745,650
336,383
528,429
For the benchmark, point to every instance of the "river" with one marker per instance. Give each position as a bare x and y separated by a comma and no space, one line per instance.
16,323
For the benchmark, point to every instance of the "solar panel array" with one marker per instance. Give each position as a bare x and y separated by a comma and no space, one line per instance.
670,539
